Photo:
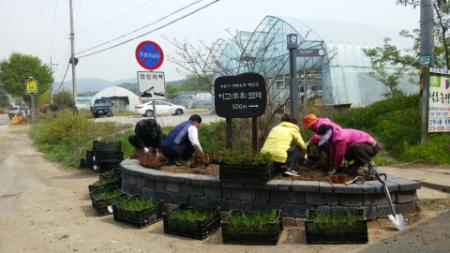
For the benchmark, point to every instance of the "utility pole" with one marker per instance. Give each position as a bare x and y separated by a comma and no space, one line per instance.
51,85
73,60
426,54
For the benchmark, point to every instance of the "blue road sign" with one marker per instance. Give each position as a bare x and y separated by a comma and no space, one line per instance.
149,55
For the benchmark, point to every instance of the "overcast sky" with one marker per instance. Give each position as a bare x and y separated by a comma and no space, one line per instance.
41,27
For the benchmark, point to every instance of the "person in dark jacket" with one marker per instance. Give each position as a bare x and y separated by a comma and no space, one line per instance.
148,134
182,141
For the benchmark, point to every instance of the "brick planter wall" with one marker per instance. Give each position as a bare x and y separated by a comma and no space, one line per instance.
293,197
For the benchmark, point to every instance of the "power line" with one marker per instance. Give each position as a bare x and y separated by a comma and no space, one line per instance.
115,18
64,77
156,29
140,28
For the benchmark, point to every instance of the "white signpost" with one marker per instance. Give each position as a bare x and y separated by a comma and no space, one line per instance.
439,102
152,85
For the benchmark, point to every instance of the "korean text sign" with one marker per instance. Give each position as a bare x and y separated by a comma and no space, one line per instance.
151,84
241,96
439,103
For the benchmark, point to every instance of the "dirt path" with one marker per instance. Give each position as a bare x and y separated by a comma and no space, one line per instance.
44,208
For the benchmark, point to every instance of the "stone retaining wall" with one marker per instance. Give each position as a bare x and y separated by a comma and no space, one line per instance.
293,197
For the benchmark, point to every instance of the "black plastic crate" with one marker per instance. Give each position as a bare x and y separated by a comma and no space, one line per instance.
101,206
259,173
249,236
106,187
102,167
318,232
199,229
140,218
107,146
107,156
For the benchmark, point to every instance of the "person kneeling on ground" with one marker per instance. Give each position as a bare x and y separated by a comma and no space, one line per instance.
148,134
312,122
285,144
351,144
182,141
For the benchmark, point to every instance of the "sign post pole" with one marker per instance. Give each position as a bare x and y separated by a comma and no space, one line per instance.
255,135
31,86
293,46
229,132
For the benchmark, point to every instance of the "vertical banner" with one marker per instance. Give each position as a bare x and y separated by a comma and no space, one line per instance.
439,102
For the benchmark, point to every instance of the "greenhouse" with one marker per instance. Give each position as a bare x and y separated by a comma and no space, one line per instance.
340,76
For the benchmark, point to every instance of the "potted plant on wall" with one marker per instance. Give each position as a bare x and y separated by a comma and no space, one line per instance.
349,226
252,227
196,223
242,166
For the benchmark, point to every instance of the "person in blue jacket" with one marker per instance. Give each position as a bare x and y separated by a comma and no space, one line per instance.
182,141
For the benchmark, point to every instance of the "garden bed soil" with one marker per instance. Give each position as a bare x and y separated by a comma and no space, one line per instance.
306,174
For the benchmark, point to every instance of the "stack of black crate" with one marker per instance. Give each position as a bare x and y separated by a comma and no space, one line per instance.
105,156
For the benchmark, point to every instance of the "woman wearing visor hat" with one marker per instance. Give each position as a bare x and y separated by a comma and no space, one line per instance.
351,144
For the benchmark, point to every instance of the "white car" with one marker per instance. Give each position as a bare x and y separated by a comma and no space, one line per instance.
162,108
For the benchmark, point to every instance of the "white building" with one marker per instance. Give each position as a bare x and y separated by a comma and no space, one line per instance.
123,99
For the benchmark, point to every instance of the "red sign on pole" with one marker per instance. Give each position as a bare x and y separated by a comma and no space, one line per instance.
149,55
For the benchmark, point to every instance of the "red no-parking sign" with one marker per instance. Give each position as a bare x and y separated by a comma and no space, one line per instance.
149,55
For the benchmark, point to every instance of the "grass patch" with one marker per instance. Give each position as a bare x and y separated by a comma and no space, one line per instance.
64,137
126,113
189,215
101,196
135,204
254,222
105,181
337,223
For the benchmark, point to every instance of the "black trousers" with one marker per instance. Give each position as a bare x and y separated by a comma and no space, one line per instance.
294,156
361,153
139,142
182,151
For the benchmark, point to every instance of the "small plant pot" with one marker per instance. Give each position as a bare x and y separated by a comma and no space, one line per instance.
196,229
266,234
138,218
246,173
336,230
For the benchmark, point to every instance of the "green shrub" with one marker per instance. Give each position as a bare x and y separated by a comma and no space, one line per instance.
436,149
65,137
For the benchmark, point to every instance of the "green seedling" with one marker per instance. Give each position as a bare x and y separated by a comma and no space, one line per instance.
190,215
107,195
337,223
135,204
105,181
251,222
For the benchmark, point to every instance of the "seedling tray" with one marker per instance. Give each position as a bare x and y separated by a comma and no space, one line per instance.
101,206
199,229
102,188
140,218
258,173
345,233
268,234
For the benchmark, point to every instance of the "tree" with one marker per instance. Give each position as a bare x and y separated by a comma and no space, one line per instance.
61,100
15,70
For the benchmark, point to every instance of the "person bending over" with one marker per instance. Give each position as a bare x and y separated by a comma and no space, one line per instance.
147,134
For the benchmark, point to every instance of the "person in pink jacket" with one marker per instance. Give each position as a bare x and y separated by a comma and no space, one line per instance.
311,121
351,144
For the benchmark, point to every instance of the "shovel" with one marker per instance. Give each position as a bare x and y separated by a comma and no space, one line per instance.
396,218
